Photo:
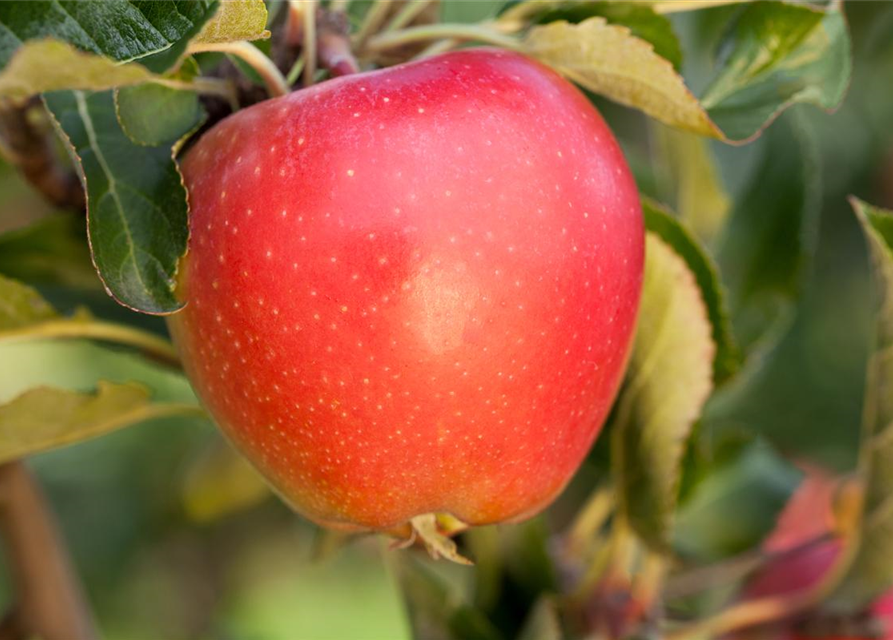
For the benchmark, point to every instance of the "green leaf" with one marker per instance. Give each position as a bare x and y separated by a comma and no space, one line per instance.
436,604
669,378
468,12
45,418
870,572
661,222
154,115
50,46
691,180
542,623
779,54
52,250
770,237
118,29
137,218
737,502
20,305
641,19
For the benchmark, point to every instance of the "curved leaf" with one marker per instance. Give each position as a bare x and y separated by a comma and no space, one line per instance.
779,55
609,60
870,572
669,378
661,222
236,20
136,211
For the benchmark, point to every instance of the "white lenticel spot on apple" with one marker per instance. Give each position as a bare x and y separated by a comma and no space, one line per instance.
350,172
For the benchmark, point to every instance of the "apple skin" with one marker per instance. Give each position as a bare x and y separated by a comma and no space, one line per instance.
412,290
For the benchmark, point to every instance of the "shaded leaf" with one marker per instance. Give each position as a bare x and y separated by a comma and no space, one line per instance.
542,623
51,250
79,365
118,29
745,486
50,65
21,305
771,234
45,418
661,222
669,378
692,180
136,211
139,108
437,608
779,54
870,572
220,482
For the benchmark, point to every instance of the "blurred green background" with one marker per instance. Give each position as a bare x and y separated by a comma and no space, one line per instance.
168,550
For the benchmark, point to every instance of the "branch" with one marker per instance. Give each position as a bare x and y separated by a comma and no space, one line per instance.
30,148
50,604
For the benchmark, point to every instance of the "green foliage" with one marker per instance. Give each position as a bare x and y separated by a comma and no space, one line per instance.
663,224
779,54
784,396
137,211
669,377
869,573
138,108
118,29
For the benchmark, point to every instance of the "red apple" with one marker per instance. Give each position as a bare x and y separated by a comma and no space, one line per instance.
412,291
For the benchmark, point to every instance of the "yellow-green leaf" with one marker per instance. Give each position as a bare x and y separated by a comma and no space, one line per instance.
49,65
236,20
670,377
45,417
220,482
607,59
20,305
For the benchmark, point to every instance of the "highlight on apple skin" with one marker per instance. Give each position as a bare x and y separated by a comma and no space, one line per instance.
412,291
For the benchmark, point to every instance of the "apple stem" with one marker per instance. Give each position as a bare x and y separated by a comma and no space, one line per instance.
438,544
51,603
308,16
407,14
375,16
253,57
333,46
295,72
436,48
423,33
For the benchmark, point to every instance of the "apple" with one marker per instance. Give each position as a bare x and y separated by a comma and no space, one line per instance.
412,291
